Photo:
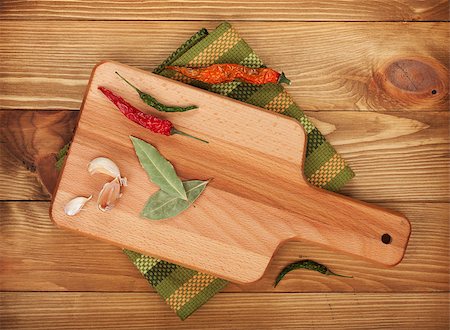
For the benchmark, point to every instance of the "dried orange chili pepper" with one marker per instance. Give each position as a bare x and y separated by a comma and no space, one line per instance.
220,73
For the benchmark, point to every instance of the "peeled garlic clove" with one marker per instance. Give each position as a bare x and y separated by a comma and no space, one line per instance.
109,195
75,205
104,165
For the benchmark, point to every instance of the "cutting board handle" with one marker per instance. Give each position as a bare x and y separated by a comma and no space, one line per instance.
351,226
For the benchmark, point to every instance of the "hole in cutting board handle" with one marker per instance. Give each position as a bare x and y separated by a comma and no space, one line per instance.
386,238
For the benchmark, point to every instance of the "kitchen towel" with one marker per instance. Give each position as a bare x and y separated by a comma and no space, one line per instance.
183,289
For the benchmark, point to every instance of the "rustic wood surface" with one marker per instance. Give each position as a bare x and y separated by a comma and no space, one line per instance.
369,68
75,310
377,87
237,10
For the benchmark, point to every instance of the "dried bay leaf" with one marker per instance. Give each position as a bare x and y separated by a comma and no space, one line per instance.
159,169
161,205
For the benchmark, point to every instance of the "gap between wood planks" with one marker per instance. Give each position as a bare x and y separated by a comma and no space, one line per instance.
218,21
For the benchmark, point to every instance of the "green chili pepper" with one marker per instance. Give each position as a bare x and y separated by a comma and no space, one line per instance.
151,101
306,264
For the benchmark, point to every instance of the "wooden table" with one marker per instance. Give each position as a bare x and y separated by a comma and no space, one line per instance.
373,75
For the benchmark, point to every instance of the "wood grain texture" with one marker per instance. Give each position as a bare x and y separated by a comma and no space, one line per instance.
258,169
237,10
397,156
36,143
38,256
226,311
333,66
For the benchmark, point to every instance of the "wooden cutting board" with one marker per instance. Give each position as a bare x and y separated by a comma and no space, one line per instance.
258,197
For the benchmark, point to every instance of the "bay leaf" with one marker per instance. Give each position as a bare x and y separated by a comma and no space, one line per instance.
161,205
159,169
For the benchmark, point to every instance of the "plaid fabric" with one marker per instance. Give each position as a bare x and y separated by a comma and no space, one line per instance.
183,289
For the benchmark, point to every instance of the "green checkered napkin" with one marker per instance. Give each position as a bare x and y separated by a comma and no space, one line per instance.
183,289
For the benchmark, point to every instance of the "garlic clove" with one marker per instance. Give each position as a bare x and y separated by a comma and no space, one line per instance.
75,205
104,165
109,195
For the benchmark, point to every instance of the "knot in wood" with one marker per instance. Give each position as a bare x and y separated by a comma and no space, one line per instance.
410,82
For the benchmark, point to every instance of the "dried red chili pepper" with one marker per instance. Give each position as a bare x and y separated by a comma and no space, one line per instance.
220,73
153,123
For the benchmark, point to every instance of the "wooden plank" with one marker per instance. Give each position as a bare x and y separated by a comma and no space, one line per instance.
43,310
394,155
37,256
237,10
397,156
333,66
